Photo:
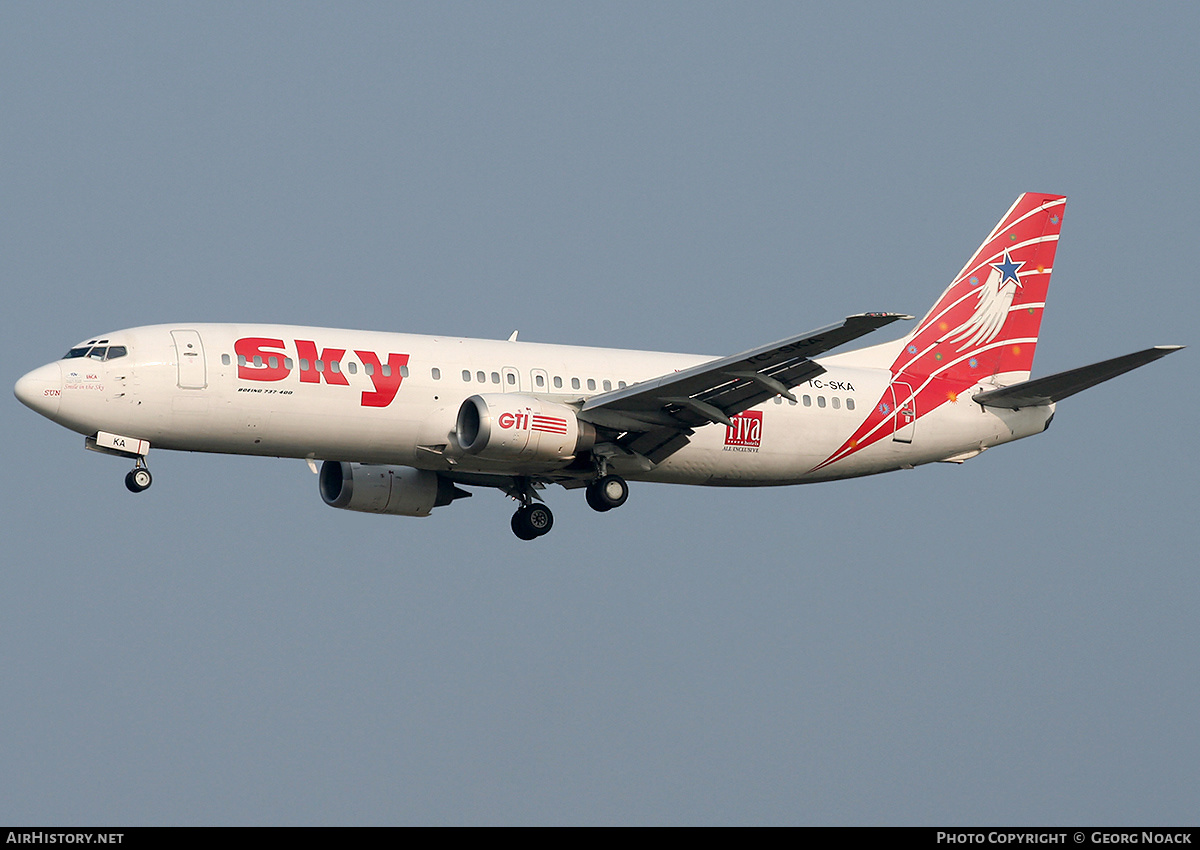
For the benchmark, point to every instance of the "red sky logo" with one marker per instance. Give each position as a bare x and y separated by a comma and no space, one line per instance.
746,430
263,359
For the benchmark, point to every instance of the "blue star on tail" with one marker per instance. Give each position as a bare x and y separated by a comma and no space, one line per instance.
1008,270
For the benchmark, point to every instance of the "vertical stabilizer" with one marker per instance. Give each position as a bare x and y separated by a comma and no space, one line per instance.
986,322
982,330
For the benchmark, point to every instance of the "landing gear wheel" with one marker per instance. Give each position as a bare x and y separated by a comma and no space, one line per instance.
594,499
607,492
532,521
138,479
520,528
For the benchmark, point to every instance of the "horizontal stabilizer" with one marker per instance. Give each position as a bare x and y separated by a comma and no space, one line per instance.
1054,388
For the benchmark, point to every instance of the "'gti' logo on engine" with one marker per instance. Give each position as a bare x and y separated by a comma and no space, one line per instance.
745,432
526,421
508,420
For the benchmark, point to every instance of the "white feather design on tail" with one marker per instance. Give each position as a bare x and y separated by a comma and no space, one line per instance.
991,310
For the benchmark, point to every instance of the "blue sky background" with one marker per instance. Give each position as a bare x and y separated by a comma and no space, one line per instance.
1012,641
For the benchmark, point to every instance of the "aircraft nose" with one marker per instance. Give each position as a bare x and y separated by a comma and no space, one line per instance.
41,389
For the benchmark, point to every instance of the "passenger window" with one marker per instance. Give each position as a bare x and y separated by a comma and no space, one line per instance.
621,384
436,373
820,401
837,403
807,400
287,363
495,377
574,383
303,363
849,404
779,399
352,368
557,382
512,379
481,377
258,361
369,368
335,366
539,380
274,361
241,359
403,371
591,383
607,386
467,375
224,359
386,370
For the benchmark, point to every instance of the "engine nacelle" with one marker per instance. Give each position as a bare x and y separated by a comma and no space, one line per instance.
516,427
398,490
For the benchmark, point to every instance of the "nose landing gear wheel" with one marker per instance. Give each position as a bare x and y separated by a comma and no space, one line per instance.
606,493
138,479
532,521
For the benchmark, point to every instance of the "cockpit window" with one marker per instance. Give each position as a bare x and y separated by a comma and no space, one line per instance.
97,352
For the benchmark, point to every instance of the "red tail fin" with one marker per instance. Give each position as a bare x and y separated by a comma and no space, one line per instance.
985,324
987,321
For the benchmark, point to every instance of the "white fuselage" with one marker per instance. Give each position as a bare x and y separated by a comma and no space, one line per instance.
386,398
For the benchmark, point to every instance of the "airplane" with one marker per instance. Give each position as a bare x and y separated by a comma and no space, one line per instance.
401,422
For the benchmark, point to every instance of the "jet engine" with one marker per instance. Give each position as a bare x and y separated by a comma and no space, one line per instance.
516,427
398,490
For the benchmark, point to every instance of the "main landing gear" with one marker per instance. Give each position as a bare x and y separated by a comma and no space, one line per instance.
607,492
533,519
139,477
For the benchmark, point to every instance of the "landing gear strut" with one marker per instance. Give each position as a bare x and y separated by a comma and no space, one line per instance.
607,492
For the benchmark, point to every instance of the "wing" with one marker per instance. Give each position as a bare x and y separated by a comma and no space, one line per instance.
655,418
1054,388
